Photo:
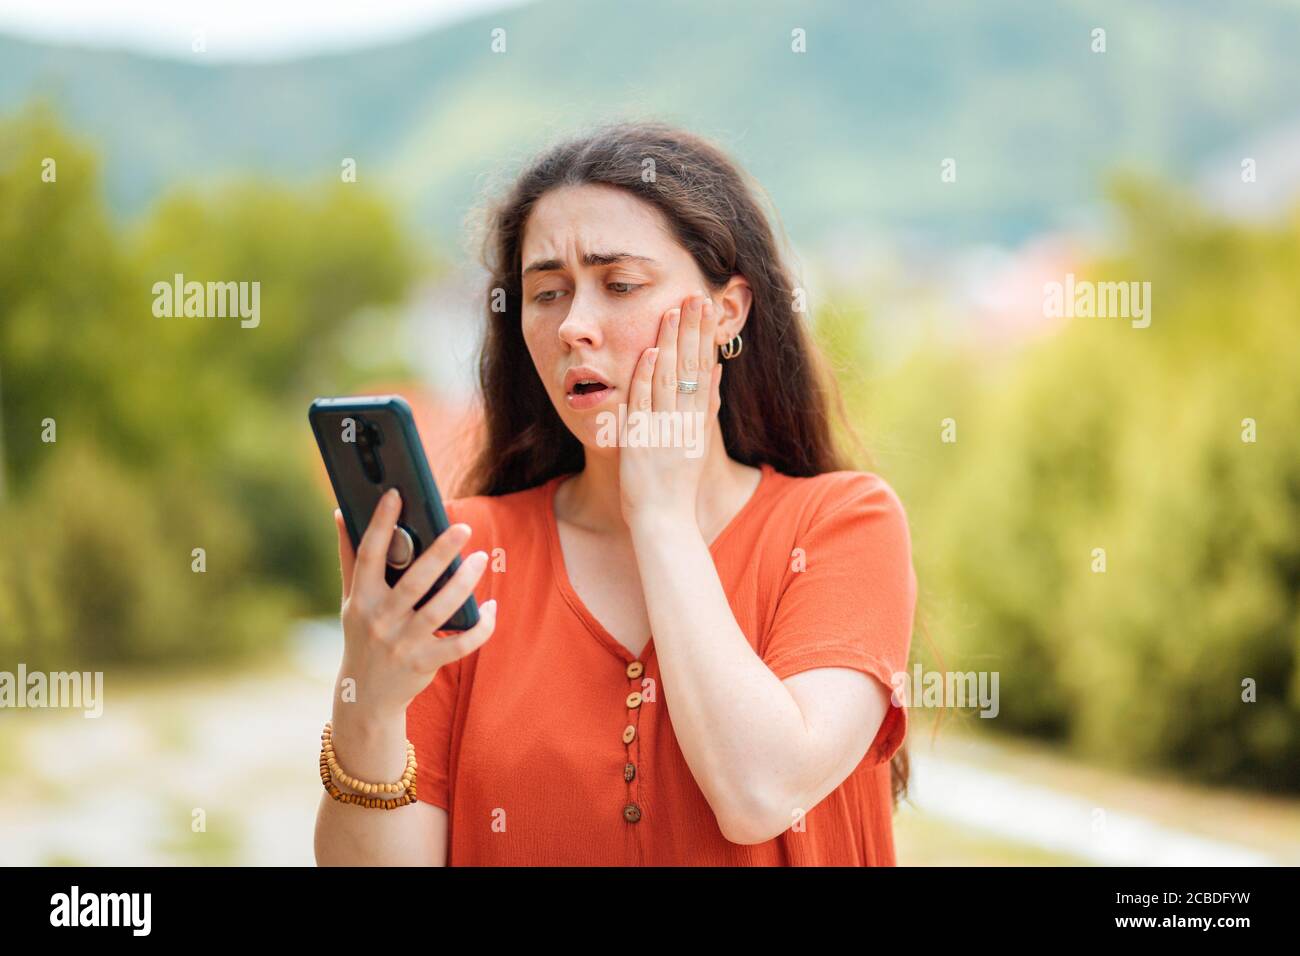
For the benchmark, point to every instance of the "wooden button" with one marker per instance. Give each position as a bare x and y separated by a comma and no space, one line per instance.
631,813
629,771
634,699
634,669
628,733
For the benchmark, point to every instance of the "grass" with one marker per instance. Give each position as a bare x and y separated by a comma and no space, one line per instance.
8,750
1267,823
166,704
921,839
219,845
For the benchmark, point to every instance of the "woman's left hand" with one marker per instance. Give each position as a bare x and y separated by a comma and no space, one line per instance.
666,437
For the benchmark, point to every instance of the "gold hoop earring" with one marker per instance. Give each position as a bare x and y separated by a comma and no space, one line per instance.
732,348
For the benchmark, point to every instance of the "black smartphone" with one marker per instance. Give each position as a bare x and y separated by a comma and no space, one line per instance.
370,444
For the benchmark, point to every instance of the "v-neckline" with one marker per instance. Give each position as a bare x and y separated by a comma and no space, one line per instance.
560,571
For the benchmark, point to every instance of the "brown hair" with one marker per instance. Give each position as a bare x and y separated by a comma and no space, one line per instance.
776,397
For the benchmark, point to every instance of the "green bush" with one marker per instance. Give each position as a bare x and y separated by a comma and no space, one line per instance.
1128,440
172,433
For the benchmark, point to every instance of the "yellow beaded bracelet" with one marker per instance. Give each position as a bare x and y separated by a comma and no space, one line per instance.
327,745
329,769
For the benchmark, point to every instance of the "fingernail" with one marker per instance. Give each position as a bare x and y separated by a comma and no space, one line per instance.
489,606
478,557
674,316
393,494
462,530
654,356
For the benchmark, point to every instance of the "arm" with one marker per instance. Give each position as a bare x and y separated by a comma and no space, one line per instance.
393,656
761,749
347,835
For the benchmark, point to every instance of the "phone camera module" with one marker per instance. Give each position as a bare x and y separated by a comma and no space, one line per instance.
369,437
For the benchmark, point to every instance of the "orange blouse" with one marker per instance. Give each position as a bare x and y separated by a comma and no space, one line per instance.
540,756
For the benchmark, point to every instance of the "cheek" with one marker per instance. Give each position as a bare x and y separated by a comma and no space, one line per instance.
642,325
630,338
542,349
639,332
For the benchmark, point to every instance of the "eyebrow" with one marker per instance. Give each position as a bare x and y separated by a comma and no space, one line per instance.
590,259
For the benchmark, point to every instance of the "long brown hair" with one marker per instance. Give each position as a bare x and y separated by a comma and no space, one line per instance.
776,397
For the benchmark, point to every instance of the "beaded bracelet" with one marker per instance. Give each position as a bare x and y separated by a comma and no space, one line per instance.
329,766
327,746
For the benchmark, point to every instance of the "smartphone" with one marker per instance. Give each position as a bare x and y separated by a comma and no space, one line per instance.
369,444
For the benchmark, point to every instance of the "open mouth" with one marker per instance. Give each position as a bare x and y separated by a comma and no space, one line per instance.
585,387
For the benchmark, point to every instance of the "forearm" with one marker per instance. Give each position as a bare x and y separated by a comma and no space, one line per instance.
741,732
350,835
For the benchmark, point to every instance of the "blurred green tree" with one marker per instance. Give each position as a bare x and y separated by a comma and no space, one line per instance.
172,433
1129,440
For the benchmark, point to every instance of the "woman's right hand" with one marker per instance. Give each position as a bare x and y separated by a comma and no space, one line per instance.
389,649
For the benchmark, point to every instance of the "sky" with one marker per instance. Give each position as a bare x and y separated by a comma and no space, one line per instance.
232,29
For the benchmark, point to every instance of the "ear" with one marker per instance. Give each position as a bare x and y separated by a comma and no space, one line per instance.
734,300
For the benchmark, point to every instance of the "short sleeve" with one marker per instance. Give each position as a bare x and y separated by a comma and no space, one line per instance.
429,719
849,595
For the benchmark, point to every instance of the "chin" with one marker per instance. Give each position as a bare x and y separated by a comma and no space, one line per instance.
586,427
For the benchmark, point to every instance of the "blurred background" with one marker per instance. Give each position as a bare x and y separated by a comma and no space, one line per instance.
934,165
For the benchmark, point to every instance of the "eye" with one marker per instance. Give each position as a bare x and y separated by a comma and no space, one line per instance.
627,287
547,295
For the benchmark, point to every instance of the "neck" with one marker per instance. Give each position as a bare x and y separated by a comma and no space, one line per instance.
591,498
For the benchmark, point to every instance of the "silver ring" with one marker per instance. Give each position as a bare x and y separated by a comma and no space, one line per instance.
401,549
688,387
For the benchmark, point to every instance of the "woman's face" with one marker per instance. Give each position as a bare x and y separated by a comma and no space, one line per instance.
600,269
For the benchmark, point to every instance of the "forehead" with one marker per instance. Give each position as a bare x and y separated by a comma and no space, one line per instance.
572,220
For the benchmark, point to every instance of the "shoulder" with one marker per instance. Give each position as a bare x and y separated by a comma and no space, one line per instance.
852,530
497,512
842,498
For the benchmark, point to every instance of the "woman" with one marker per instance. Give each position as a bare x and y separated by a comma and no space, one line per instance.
632,484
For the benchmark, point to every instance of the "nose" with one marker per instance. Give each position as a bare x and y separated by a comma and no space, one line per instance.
581,326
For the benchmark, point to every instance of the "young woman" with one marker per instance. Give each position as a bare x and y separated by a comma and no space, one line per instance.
701,608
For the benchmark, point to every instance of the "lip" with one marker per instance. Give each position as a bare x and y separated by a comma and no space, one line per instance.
588,400
582,373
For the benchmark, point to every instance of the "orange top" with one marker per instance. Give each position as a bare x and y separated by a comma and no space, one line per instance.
530,743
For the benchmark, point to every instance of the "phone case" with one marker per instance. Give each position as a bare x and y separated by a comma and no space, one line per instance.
385,445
